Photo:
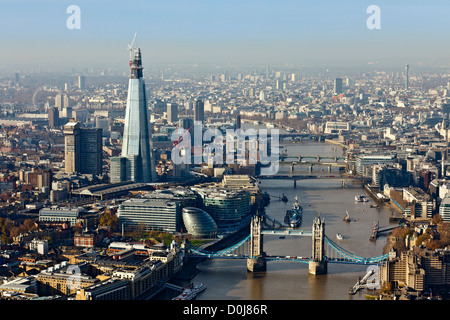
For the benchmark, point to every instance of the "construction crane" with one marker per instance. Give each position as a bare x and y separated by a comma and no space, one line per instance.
175,143
130,48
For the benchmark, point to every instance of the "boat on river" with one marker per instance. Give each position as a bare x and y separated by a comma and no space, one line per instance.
190,292
360,198
294,216
347,217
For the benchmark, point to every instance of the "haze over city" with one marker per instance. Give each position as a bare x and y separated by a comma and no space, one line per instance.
319,33
240,151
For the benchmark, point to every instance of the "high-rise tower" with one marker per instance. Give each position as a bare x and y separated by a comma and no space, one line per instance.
83,149
199,111
338,86
406,76
137,163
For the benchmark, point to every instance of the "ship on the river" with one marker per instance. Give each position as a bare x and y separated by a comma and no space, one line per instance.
361,198
190,292
294,216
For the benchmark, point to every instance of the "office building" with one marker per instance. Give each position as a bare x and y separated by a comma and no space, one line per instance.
336,127
418,204
152,214
81,82
110,289
39,178
53,117
238,121
62,101
417,269
40,246
371,160
199,111
185,123
83,149
185,196
172,112
103,123
444,209
69,215
60,279
338,86
406,76
226,207
138,165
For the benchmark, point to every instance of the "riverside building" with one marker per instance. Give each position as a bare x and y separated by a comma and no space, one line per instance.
228,208
153,214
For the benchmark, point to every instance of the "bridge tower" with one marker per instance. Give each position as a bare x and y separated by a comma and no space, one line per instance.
257,257
317,264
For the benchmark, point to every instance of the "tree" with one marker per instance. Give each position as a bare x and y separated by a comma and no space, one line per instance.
30,225
109,219
436,219
422,238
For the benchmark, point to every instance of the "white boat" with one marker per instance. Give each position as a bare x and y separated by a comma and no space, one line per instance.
339,236
190,292
187,294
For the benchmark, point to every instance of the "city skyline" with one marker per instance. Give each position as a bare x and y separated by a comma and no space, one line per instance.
168,150
223,32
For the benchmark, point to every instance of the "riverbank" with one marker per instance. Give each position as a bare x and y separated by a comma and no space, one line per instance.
330,141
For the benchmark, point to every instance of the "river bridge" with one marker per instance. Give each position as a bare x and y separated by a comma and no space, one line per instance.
328,176
251,247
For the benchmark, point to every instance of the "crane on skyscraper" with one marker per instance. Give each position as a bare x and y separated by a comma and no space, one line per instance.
130,47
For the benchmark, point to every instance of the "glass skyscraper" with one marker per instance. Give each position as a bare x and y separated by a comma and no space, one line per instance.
136,163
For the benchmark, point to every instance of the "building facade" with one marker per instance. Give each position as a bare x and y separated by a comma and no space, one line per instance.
83,149
151,213
199,223
226,207
418,269
138,165
69,215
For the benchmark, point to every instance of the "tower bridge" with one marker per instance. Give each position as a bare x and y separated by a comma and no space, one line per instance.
251,248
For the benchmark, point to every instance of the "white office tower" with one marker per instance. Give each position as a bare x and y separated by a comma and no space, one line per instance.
136,161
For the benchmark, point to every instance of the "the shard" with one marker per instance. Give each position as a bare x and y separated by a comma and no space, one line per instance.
136,161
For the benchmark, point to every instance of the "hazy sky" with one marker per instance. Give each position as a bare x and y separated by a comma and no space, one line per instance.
34,32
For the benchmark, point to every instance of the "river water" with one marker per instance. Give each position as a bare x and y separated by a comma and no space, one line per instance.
285,280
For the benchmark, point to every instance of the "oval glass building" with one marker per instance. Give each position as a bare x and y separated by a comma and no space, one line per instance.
199,223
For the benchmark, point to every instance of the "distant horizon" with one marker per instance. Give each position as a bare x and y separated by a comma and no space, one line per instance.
315,34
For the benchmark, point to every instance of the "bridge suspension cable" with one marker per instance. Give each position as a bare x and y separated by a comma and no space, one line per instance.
353,257
222,252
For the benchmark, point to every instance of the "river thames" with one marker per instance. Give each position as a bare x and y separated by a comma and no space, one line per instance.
284,280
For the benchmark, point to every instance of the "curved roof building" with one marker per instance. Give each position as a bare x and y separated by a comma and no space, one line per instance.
199,223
